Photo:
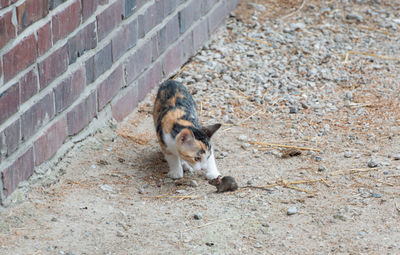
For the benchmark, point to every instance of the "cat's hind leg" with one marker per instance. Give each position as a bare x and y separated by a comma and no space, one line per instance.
175,166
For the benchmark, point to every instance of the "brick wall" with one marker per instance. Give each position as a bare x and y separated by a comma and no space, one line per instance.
64,63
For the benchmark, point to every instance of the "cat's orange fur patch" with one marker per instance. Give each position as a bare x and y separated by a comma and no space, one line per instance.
170,118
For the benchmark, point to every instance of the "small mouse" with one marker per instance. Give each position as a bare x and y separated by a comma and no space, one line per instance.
226,183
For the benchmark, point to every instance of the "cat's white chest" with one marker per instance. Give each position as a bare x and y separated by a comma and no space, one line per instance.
170,142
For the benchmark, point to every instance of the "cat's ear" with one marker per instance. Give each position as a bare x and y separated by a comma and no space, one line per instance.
185,137
210,130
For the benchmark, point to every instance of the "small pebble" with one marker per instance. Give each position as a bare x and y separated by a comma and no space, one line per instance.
242,138
193,183
292,210
54,219
293,109
354,16
198,216
318,158
141,191
372,163
348,154
376,195
180,191
257,245
120,234
396,157
321,169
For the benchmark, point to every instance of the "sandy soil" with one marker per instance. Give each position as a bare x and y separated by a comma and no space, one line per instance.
110,194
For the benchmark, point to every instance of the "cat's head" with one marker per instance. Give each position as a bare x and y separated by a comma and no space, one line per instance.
194,145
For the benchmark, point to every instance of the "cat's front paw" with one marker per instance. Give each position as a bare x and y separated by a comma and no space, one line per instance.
212,175
187,168
174,175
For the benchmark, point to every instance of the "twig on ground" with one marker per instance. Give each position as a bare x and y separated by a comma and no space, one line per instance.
257,40
172,196
368,54
291,14
207,224
374,29
285,146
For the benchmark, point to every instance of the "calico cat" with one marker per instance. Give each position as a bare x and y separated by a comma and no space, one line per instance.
183,141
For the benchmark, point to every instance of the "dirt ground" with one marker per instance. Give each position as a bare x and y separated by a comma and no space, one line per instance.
110,194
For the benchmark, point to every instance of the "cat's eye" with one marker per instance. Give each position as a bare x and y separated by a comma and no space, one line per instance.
197,159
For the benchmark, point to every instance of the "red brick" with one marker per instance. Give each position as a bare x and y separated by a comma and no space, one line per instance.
53,66
55,3
44,38
37,116
18,171
69,90
9,102
30,11
187,43
81,115
138,62
206,5
48,143
200,34
102,60
12,135
109,87
28,85
172,32
125,39
173,60
149,80
126,104
216,17
7,28
20,57
109,19
5,3
188,15
83,41
66,21
88,8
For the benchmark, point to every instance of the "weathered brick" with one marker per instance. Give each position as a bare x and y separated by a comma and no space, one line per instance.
188,50
5,3
200,34
54,3
173,60
150,80
169,6
18,171
9,102
109,19
159,10
37,116
88,8
130,8
51,140
141,32
188,15
103,2
172,30
80,116
138,62
44,38
53,66
216,17
30,11
28,85
150,18
12,135
125,39
102,61
123,106
19,57
89,66
109,87
206,5
84,40
68,90
65,22
7,28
